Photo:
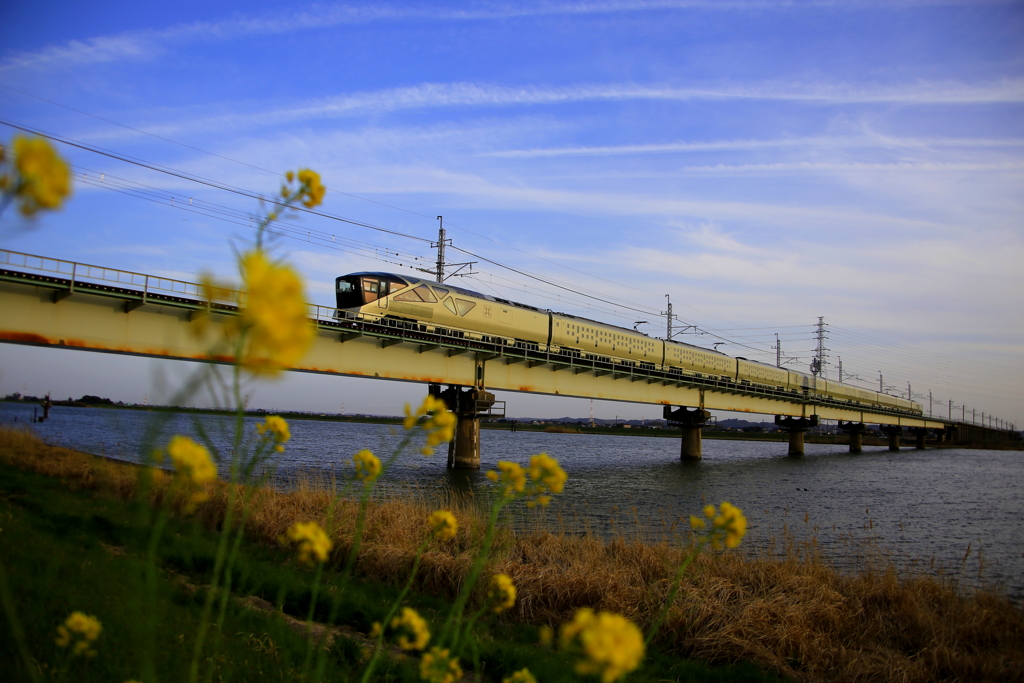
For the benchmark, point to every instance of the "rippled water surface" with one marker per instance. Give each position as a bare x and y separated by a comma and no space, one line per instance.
911,505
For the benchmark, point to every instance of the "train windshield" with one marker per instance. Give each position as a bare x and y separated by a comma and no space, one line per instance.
349,292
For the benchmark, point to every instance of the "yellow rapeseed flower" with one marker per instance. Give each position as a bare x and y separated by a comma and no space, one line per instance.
437,666
367,465
80,631
42,179
412,630
314,543
312,191
511,478
274,314
443,525
732,522
546,476
502,593
193,464
521,676
276,426
611,645
439,425
728,526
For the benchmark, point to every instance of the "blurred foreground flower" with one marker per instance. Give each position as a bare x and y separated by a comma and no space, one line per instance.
38,178
274,315
546,477
728,525
367,466
502,593
80,631
314,543
413,633
310,191
443,525
521,676
437,666
276,426
439,425
193,466
611,645
510,478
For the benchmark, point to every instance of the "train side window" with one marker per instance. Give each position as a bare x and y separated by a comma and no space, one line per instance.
441,292
421,293
464,306
449,303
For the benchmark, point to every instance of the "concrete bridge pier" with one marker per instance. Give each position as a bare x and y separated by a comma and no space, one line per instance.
796,427
920,433
691,422
893,432
468,404
856,432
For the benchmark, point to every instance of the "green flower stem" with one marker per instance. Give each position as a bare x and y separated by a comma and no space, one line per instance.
225,592
455,616
356,543
150,614
309,620
220,560
394,608
15,624
459,639
676,582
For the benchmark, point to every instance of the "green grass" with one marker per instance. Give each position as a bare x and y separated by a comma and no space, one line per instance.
66,549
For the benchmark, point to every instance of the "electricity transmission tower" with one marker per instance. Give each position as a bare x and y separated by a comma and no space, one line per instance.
819,361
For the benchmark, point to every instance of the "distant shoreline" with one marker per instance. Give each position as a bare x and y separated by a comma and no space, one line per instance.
558,428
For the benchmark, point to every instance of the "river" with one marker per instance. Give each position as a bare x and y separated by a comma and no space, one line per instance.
920,509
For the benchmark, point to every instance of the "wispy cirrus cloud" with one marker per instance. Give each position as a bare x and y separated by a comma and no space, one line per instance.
819,166
147,43
482,95
836,142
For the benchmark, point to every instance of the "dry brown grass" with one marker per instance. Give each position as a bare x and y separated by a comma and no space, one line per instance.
796,615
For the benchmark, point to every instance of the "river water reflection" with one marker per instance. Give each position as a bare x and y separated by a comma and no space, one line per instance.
911,505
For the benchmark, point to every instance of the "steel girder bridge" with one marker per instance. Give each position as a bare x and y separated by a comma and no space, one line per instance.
61,304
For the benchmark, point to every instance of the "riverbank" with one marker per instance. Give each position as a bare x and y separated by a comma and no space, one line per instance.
791,612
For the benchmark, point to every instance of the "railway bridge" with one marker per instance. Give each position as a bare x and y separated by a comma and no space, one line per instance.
62,304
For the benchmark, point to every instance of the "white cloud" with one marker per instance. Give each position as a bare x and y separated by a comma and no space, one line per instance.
873,141
144,44
476,95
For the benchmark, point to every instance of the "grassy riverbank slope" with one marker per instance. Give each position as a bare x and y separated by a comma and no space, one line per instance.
71,541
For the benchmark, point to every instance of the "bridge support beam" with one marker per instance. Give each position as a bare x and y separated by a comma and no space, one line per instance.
920,433
856,432
690,421
796,426
467,404
893,432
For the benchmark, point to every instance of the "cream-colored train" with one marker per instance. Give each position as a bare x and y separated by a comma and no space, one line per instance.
431,307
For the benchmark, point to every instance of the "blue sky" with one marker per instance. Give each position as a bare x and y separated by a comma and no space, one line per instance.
764,163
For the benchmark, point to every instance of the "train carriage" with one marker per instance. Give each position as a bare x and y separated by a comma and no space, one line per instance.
442,308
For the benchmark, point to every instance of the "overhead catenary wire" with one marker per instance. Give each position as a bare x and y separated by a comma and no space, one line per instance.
896,350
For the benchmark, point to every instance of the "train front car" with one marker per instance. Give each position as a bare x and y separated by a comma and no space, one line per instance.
366,293
441,309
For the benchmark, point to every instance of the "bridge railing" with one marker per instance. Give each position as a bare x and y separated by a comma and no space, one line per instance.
84,272
141,285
